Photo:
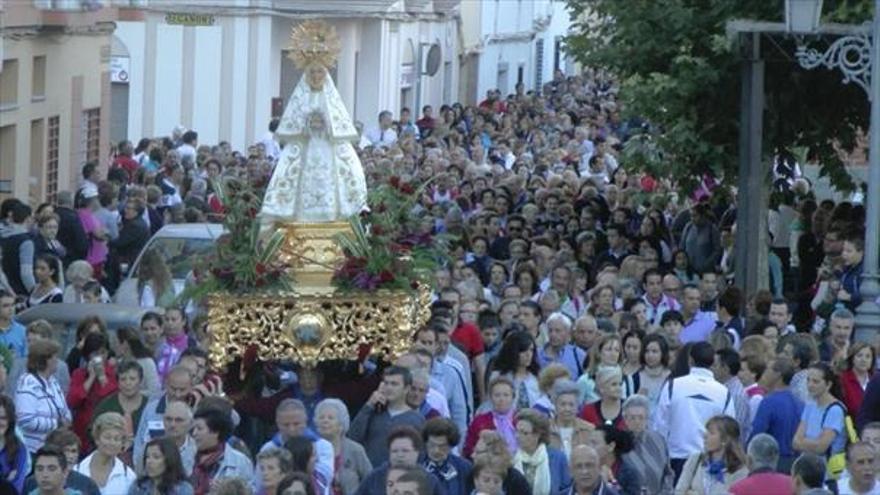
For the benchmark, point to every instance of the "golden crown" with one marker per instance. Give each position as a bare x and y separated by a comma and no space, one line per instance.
314,42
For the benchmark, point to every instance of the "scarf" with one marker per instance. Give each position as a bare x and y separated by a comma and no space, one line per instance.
206,467
179,342
504,427
537,463
715,471
444,471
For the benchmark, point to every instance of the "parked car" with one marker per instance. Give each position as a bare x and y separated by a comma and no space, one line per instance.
179,245
65,317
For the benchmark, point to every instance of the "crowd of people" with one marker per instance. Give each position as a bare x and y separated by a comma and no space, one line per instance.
586,336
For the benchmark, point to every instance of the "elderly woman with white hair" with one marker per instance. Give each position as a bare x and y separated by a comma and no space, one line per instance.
77,275
649,455
352,464
566,429
608,410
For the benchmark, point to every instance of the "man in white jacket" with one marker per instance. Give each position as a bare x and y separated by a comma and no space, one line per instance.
687,402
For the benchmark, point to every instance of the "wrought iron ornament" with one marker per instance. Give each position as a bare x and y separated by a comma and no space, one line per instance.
850,54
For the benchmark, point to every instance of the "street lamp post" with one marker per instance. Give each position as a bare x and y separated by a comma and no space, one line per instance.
857,56
856,53
868,313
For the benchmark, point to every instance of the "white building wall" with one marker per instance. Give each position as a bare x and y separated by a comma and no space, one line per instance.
169,78
240,86
133,35
206,88
504,33
236,70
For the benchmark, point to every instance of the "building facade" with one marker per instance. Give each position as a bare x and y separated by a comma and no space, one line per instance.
54,93
220,67
506,42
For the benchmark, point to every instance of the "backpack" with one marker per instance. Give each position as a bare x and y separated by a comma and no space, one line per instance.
837,462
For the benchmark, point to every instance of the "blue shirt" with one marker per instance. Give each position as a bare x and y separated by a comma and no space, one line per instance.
779,416
570,356
15,338
698,329
833,415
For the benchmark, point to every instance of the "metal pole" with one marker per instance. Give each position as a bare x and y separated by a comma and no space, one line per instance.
868,312
752,273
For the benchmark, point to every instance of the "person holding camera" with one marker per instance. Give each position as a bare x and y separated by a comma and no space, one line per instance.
90,384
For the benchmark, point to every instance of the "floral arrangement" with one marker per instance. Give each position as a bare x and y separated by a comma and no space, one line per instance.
243,260
391,245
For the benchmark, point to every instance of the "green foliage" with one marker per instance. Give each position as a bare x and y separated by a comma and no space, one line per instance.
245,259
391,246
679,71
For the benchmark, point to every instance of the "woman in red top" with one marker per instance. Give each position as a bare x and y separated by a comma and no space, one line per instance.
860,363
609,409
90,384
500,418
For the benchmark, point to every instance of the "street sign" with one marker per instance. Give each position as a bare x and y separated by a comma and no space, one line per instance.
120,70
185,19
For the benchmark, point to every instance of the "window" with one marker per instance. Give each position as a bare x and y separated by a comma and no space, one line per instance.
557,55
9,84
37,163
38,80
52,142
91,127
7,158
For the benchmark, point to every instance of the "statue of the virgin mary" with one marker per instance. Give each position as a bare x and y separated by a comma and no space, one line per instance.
318,177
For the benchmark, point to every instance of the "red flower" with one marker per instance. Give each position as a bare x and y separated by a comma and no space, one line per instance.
407,188
400,248
260,268
376,230
385,276
252,213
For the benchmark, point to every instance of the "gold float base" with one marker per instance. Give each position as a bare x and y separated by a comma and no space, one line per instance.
312,254
315,322
308,328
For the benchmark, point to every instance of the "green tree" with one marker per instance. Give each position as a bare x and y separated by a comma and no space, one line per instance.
680,71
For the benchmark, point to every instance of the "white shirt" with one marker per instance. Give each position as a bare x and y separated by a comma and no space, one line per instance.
844,488
187,151
378,137
272,149
121,476
681,418
324,458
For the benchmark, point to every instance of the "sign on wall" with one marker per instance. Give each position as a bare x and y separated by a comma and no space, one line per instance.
407,76
185,19
120,70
